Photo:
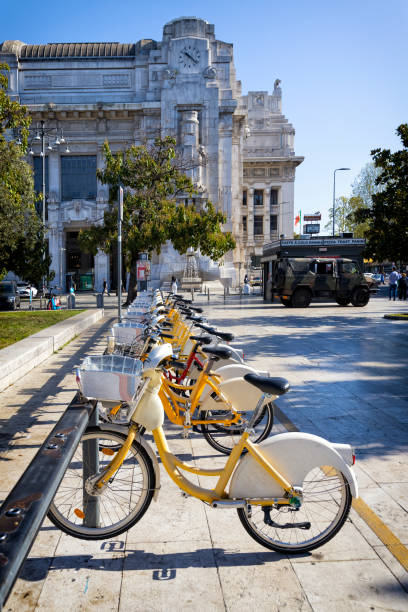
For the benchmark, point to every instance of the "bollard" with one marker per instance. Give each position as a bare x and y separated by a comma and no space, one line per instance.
192,294
99,300
71,302
208,299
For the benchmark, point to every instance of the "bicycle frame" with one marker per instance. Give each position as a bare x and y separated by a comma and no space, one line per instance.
173,465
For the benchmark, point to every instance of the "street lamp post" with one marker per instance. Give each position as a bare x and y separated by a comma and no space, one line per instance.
334,192
42,132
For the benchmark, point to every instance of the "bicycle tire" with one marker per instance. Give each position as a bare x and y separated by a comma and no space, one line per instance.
325,491
222,438
126,498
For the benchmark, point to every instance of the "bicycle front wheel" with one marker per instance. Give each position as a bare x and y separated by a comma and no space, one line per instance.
224,437
119,505
325,507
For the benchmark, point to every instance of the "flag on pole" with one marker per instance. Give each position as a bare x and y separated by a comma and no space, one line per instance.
298,218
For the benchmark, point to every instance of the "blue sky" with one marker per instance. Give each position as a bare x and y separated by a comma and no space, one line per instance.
343,66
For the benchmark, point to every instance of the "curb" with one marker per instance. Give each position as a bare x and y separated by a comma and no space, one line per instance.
19,358
397,316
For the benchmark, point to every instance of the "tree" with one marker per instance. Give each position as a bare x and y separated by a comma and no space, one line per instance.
387,235
21,231
341,216
345,216
153,180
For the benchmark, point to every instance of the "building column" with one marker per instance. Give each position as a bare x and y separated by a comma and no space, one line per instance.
189,131
101,267
101,259
250,216
267,214
53,207
225,166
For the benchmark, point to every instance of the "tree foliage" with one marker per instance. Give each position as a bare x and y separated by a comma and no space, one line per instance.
387,234
153,181
21,231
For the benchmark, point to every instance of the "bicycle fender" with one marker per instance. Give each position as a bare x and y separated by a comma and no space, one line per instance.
242,395
236,354
235,371
293,454
152,455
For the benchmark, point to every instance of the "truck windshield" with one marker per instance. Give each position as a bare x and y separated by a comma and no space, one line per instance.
350,267
298,266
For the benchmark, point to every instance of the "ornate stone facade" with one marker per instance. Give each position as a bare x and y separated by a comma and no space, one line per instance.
185,85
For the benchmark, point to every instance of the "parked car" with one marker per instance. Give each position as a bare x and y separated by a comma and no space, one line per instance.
24,290
9,296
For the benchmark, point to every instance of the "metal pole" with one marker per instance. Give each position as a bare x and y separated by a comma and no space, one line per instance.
334,193
90,467
43,185
120,218
334,197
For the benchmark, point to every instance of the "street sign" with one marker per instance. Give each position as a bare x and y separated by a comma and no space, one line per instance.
315,217
311,228
142,270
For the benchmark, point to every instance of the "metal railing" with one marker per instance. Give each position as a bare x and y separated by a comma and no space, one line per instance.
26,506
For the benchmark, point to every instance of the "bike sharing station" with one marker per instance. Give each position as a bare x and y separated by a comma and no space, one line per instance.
96,478
301,270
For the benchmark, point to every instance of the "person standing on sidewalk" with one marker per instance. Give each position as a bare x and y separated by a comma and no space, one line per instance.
393,280
402,287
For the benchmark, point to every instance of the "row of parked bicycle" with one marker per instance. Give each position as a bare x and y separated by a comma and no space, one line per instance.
292,491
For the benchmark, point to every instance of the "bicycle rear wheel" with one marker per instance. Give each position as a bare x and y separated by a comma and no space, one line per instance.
122,502
325,507
223,438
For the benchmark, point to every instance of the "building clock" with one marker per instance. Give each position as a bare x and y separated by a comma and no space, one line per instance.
189,57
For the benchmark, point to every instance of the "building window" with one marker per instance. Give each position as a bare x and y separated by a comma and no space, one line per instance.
274,223
274,197
244,224
78,177
258,197
244,198
38,184
258,225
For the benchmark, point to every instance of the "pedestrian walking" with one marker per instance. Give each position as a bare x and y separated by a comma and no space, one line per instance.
105,287
393,280
174,284
402,287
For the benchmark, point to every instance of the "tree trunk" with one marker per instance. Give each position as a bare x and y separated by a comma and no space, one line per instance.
132,289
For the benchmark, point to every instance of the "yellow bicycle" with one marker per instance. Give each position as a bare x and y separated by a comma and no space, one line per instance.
292,491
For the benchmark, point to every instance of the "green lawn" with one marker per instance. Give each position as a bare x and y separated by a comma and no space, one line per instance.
15,326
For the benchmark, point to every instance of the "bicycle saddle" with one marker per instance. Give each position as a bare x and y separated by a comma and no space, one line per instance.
196,308
194,318
226,336
201,339
207,328
273,386
217,352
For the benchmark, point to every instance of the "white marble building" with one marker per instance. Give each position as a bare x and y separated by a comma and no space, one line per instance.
186,86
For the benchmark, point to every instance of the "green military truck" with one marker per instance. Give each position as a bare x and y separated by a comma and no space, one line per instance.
298,271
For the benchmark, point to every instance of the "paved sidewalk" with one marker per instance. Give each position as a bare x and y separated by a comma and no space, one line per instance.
347,369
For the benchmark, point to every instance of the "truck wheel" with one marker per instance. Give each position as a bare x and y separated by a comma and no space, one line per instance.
286,302
360,296
301,298
342,301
